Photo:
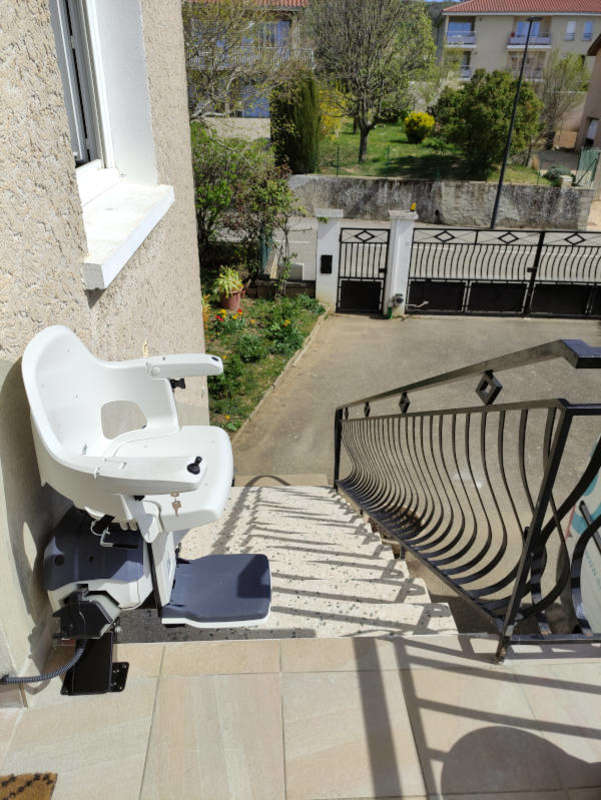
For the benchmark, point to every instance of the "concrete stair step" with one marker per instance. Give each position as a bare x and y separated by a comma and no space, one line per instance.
300,479
331,575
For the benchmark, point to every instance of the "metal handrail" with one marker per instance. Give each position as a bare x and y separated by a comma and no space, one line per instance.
471,490
577,353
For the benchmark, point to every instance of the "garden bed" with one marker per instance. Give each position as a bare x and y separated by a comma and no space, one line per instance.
255,345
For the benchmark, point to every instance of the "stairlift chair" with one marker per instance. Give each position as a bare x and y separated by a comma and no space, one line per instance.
135,496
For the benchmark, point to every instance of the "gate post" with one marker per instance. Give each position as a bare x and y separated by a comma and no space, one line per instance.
328,247
399,260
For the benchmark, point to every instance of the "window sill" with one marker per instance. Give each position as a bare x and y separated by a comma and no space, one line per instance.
116,222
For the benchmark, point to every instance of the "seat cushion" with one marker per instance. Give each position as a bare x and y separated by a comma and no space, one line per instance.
206,503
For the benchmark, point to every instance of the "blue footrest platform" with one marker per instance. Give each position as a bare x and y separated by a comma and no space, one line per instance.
220,591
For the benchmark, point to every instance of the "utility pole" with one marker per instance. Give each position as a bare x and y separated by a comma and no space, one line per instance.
511,124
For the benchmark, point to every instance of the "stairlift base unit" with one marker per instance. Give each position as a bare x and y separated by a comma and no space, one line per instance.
91,578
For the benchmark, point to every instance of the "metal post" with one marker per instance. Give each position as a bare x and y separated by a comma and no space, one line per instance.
530,546
533,270
337,443
511,124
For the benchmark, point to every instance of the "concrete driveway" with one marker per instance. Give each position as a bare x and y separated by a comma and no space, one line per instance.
355,356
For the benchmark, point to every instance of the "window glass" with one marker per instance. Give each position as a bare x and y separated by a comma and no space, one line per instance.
570,30
68,25
587,30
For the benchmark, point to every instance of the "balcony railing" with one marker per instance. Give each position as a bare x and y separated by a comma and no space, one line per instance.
465,73
534,41
461,39
227,57
532,74
485,493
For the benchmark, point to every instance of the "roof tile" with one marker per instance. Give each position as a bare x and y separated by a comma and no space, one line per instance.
525,7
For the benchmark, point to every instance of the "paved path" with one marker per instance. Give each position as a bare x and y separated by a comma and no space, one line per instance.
355,356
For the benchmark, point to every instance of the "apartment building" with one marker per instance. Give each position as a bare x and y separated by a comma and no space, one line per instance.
491,34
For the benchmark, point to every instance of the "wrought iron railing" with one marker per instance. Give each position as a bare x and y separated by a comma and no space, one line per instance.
461,39
501,271
483,494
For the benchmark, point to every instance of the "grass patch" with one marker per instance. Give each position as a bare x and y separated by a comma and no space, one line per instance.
255,345
391,155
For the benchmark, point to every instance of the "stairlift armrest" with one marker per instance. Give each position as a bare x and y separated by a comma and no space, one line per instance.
184,365
141,476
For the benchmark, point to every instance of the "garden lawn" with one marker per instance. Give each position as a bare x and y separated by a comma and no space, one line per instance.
390,155
255,345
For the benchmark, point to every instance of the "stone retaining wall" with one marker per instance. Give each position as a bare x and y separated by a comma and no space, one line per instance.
458,203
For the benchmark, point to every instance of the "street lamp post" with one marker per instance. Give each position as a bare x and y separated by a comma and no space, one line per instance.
511,124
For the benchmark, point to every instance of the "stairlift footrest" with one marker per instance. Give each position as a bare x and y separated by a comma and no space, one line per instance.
220,591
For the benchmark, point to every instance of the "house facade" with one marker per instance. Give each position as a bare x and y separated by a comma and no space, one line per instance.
589,133
491,34
97,232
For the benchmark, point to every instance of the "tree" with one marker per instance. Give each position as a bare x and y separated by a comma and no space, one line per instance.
238,188
563,79
369,50
476,118
226,56
295,124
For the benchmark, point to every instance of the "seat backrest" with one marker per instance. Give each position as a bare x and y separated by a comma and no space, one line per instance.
65,389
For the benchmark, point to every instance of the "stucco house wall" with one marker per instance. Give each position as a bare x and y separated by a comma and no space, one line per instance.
154,303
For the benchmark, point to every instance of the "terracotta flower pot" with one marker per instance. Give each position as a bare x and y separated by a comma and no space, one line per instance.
232,301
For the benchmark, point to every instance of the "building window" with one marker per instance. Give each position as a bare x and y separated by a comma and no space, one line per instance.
587,30
521,29
68,25
570,31
591,132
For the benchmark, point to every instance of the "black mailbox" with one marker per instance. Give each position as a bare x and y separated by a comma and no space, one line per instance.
325,265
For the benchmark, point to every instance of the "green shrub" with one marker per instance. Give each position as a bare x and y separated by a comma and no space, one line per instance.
251,347
227,385
295,124
228,282
554,174
418,125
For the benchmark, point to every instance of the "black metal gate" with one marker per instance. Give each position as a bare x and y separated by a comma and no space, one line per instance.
362,269
513,272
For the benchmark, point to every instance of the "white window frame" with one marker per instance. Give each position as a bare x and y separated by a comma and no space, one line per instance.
68,24
570,34
121,198
587,30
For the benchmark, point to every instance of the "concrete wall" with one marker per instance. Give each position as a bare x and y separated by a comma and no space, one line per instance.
155,300
592,105
448,202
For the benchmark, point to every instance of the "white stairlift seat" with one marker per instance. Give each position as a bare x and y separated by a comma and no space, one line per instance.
157,481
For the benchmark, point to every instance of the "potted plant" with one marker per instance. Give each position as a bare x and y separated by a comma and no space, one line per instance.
228,288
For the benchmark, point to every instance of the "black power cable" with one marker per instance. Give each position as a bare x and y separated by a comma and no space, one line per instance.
47,676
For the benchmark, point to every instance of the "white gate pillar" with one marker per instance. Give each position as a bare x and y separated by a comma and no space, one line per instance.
399,260
328,246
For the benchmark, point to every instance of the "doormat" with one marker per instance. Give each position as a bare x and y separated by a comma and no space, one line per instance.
38,786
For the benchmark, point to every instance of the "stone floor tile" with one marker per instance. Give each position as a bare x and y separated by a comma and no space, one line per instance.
96,744
551,794
8,721
566,701
348,735
397,652
216,737
221,658
592,793
475,732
